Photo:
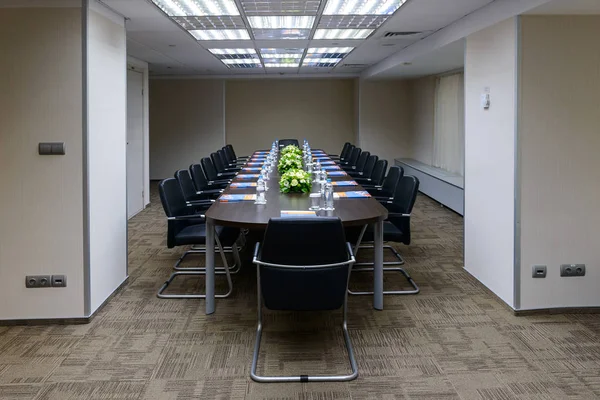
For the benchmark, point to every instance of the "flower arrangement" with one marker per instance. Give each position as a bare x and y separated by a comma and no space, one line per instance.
289,161
295,180
291,149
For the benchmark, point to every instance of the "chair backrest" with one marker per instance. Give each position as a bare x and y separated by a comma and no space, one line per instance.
187,185
391,181
345,150
209,169
198,177
172,198
230,147
227,155
287,142
378,174
369,165
362,160
305,242
353,157
403,202
217,162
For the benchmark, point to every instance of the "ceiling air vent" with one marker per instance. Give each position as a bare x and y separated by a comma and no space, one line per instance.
401,34
355,65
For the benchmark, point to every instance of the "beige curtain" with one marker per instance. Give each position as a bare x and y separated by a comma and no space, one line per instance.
449,126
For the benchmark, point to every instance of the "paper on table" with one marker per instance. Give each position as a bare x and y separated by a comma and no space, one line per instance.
255,164
251,169
297,213
239,185
229,198
351,195
344,183
335,173
331,167
247,176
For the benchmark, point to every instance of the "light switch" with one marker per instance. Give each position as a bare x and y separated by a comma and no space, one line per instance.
58,148
51,148
45,149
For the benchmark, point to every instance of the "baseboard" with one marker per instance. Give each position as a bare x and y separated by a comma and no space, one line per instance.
561,310
64,321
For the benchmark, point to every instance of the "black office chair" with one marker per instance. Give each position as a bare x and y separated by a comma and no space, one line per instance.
352,158
388,188
359,166
240,158
377,174
185,228
230,158
203,184
211,173
315,278
286,142
195,198
220,166
395,229
342,154
367,169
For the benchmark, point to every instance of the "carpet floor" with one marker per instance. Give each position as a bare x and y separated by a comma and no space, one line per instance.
454,340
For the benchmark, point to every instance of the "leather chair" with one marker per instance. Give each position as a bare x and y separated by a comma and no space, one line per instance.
220,166
388,188
342,154
352,158
211,173
230,158
396,228
239,158
313,279
367,170
185,228
377,175
359,166
286,142
202,184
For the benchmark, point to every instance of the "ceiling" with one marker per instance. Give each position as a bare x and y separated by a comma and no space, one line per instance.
154,36
568,7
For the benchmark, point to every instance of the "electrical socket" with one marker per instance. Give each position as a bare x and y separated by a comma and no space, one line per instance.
572,270
538,271
38,281
59,281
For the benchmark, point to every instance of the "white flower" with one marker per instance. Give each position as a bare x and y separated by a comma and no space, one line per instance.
294,182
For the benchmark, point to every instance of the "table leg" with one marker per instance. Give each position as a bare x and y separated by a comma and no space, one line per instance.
378,267
210,267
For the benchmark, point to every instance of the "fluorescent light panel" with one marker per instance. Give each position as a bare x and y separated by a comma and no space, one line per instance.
280,7
282,65
351,21
211,22
342,33
221,34
241,61
175,8
362,7
232,51
275,34
282,22
325,50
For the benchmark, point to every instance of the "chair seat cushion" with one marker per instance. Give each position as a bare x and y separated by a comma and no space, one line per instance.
196,234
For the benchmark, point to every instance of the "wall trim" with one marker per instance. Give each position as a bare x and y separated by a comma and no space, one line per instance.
517,172
87,297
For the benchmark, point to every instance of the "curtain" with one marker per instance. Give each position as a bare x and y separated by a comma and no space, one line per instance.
449,124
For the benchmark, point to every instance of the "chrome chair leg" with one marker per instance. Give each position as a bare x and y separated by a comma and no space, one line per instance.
303,378
369,268
234,250
174,275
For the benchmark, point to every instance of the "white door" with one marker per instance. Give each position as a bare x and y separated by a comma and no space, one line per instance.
135,143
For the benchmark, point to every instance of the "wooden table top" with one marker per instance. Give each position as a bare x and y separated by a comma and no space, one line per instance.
246,214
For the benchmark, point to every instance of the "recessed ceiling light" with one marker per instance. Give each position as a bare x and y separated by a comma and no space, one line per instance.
282,65
279,7
286,34
334,50
176,8
232,51
282,22
362,7
220,34
241,61
342,33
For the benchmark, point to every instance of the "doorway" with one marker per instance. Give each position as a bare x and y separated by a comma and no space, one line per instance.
135,142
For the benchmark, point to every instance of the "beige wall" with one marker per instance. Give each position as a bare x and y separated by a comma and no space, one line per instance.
490,61
422,105
186,123
560,167
41,208
385,119
260,111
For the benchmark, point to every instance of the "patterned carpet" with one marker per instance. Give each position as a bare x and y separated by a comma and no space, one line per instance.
452,341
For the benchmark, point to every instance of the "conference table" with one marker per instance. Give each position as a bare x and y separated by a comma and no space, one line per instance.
247,215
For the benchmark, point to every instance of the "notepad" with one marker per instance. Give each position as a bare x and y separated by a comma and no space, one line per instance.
230,198
240,185
344,183
331,167
320,159
297,214
251,169
247,176
328,163
351,195
258,164
335,173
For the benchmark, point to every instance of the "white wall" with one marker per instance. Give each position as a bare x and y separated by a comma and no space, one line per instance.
560,168
186,123
41,207
262,110
422,106
107,138
142,66
490,157
385,119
